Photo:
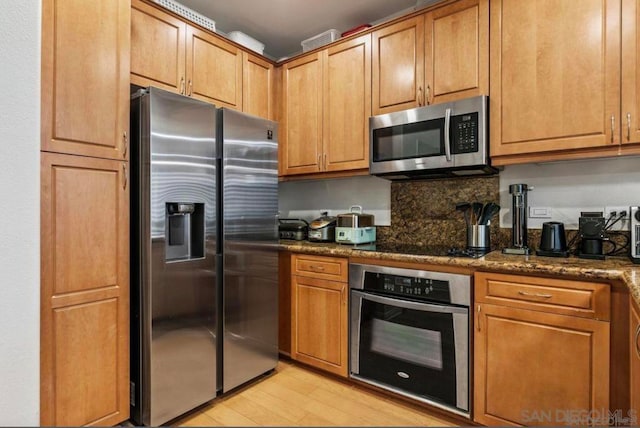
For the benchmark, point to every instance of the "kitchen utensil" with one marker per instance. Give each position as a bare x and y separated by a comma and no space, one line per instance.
293,228
553,241
476,209
488,212
465,207
323,229
519,239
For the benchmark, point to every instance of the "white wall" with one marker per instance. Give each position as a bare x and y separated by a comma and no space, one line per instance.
20,196
305,199
570,187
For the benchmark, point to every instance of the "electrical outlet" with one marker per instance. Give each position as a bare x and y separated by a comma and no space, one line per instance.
622,224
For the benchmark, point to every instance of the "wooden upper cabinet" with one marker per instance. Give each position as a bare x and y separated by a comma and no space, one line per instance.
85,77
347,105
630,117
398,66
301,138
168,53
214,69
555,75
85,291
157,48
457,51
257,86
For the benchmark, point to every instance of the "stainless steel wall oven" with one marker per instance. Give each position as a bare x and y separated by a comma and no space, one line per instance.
409,333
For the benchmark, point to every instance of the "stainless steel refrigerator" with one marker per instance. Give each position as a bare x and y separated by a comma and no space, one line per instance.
204,258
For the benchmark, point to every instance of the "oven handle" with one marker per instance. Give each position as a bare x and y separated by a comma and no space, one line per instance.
424,307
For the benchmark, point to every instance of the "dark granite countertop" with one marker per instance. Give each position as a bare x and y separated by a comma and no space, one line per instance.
612,269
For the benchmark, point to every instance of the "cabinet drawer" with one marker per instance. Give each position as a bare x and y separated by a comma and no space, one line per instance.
560,296
332,268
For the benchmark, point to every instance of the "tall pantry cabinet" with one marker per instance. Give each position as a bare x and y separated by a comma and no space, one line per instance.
84,318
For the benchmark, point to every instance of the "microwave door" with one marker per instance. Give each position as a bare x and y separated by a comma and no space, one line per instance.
407,145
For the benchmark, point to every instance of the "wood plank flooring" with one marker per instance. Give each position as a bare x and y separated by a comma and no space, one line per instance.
295,396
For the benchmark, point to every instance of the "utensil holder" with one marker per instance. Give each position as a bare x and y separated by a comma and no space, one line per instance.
478,237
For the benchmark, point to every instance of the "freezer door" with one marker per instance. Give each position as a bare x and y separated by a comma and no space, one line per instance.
250,247
178,294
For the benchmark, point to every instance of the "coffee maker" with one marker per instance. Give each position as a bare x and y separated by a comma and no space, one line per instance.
591,228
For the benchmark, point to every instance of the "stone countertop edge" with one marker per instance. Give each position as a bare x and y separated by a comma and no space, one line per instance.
611,269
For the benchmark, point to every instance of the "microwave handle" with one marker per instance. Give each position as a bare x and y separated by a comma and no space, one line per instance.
447,139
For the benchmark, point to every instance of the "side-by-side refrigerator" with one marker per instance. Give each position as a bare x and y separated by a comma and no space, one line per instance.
204,257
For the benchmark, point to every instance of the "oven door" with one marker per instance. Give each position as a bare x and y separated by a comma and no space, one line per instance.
413,348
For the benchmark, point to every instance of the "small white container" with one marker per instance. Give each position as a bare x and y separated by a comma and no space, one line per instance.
247,41
190,14
320,40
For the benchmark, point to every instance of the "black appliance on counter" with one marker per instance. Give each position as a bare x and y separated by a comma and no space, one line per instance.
553,240
634,229
591,228
296,229
410,333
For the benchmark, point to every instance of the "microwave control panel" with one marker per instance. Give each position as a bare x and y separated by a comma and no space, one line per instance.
464,128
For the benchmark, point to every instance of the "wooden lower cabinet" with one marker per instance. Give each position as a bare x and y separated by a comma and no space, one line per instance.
634,331
84,338
542,350
319,326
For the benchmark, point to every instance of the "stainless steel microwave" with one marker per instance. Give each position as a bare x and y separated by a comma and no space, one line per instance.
441,140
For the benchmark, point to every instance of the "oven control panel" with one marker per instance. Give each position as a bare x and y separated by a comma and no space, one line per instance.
465,133
415,287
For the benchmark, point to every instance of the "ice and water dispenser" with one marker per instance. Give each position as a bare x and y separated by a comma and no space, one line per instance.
184,231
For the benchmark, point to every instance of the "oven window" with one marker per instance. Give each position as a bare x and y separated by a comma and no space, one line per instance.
413,140
410,344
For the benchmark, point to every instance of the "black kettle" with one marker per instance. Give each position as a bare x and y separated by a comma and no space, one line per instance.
553,241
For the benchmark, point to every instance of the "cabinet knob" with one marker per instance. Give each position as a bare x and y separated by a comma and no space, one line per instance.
428,96
420,96
628,126
182,85
190,87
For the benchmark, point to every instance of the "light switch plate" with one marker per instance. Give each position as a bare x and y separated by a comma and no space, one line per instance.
539,212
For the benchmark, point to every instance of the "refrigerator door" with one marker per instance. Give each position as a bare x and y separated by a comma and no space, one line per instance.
250,246
175,226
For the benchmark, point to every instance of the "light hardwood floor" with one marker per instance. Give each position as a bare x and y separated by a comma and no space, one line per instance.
294,396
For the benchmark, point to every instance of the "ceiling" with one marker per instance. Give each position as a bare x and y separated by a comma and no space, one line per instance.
282,24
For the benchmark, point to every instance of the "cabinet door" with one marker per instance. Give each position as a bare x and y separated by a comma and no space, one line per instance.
301,140
257,86
84,318
634,330
457,51
214,69
157,48
398,66
85,77
630,71
534,368
319,325
347,105
555,75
